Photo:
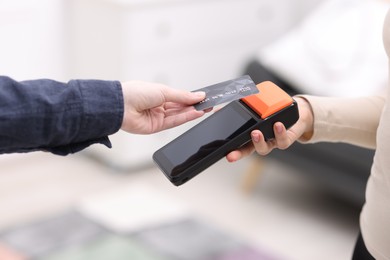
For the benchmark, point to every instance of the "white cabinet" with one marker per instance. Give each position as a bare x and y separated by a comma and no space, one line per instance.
183,43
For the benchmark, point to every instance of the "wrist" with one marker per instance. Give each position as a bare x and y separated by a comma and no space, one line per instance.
306,117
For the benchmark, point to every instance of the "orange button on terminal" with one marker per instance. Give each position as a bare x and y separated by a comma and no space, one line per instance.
270,100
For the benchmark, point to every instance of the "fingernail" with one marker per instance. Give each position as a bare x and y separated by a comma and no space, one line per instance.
255,138
200,93
279,128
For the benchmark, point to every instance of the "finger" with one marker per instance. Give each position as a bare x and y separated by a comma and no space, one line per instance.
234,156
177,110
173,109
176,119
173,105
240,153
262,147
177,106
282,139
182,96
208,110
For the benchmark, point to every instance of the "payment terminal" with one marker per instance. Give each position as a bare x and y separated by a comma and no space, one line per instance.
224,131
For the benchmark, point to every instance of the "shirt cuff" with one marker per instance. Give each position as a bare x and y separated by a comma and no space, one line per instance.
102,115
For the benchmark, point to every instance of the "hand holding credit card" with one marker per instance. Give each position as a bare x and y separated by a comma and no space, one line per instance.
226,91
226,130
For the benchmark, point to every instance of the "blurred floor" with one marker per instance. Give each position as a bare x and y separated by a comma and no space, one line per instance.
285,214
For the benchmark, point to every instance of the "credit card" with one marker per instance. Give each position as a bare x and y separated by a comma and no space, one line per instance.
226,91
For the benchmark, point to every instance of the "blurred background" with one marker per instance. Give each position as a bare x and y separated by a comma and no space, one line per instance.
102,203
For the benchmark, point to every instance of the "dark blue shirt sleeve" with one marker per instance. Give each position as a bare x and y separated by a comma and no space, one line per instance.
61,118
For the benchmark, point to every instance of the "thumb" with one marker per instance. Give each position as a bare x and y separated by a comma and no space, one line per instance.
183,97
